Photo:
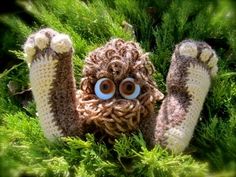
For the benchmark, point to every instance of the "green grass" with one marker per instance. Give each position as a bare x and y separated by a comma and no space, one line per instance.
158,26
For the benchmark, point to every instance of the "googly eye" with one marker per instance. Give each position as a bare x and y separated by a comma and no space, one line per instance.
104,88
129,89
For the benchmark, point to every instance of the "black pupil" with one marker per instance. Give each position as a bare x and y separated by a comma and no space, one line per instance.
105,87
129,87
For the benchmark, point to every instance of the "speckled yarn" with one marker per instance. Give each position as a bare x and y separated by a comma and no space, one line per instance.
188,81
63,111
48,54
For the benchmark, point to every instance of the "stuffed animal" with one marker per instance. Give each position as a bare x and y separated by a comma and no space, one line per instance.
117,93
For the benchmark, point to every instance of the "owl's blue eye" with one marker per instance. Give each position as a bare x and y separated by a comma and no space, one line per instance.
129,89
104,88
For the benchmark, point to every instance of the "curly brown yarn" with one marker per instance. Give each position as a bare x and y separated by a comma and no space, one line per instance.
117,60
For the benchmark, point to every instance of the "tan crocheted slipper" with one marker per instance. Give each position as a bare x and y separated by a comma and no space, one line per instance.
48,54
192,67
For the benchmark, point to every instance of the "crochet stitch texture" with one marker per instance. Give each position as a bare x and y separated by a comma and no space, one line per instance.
63,111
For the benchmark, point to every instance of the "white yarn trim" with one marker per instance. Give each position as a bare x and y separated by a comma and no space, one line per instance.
61,43
205,55
188,49
198,84
29,50
42,73
41,40
213,61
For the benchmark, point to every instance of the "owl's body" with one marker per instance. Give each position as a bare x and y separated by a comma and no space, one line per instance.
117,93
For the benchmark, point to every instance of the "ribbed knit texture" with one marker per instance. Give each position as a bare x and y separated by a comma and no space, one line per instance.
49,55
42,73
188,81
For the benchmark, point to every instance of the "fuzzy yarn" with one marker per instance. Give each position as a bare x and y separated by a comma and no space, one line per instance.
120,66
53,84
117,60
188,82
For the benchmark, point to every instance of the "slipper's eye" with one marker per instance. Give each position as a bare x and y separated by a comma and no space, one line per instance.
129,89
104,88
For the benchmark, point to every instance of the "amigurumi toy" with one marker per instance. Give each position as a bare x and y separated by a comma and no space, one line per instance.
117,92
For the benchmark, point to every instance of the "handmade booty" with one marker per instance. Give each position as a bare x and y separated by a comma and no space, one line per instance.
192,67
48,54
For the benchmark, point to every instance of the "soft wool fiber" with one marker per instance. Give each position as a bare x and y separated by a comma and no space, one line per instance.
63,111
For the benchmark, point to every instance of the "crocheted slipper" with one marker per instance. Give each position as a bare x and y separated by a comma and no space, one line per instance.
192,67
48,54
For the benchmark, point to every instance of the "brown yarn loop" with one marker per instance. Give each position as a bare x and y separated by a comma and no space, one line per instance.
110,53
117,68
118,43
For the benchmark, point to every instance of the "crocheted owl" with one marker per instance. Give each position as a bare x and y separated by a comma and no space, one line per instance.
117,92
